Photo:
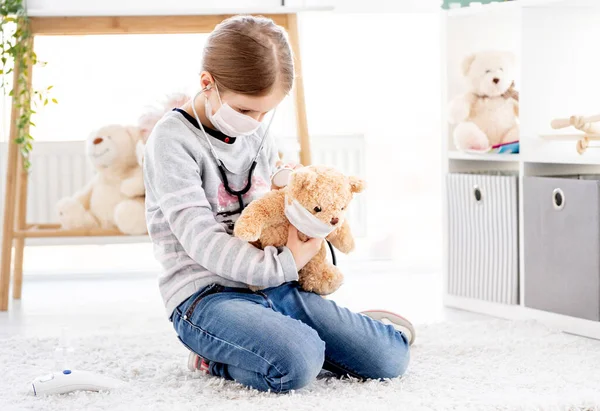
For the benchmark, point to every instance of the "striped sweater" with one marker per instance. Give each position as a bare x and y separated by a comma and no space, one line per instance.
189,213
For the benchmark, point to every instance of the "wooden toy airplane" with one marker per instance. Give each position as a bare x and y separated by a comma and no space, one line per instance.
589,125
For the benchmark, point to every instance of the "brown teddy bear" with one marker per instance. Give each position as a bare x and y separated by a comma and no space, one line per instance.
315,202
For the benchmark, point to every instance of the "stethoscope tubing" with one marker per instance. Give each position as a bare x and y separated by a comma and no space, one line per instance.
221,166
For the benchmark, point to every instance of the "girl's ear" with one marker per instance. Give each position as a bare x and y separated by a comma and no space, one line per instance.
206,80
357,185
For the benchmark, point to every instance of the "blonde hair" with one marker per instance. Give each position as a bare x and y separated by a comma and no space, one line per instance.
249,55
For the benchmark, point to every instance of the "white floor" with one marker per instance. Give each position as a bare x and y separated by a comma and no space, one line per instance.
87,302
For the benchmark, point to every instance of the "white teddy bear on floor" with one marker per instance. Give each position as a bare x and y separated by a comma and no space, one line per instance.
487,114
114,198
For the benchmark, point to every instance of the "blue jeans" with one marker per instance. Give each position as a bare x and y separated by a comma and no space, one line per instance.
280,338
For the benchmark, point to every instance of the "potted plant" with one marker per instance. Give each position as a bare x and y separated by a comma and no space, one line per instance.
16,44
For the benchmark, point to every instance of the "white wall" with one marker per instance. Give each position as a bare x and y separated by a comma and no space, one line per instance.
566,82
379,74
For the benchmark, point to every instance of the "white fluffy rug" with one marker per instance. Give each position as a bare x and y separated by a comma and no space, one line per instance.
478,365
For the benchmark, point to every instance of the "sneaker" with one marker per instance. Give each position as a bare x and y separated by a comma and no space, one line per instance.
197,363
397,321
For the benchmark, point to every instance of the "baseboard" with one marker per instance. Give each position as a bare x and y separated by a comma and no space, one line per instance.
571,325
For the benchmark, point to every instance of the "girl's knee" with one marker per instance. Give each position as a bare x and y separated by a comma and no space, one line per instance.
300,367
393,362
395,366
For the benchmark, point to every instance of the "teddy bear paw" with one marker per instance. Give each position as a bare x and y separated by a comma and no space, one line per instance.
459,111
130,217
326,284
468,136
73,215
132,188
246,232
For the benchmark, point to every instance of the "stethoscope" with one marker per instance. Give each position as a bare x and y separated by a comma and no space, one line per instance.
222,169
240,193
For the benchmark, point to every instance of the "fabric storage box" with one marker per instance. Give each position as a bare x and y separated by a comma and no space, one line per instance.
483,236
562,245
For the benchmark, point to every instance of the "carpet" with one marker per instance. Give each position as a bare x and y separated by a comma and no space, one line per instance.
475,365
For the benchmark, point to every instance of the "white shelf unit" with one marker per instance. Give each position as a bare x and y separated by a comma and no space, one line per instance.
554,41
459,155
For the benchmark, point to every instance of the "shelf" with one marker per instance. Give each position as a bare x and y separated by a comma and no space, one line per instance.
506,158
575,159
172,11
54,230
565,136
585,159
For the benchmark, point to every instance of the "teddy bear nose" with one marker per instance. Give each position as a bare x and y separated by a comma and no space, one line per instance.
98,140
496,80
335,220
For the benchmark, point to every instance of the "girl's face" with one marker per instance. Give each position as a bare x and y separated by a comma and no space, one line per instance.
252,106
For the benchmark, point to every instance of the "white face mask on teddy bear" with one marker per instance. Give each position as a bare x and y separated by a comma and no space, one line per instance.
305,221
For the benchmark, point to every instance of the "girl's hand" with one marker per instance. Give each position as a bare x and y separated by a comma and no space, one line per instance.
302,251
289,165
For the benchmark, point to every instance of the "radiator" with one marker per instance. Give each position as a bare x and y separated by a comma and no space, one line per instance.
60,168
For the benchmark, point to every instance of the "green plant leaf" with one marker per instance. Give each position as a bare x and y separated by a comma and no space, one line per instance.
16,53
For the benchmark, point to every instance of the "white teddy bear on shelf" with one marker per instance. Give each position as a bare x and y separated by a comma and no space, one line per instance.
114,198
487,115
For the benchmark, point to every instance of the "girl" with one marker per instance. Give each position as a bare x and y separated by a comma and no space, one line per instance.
199,161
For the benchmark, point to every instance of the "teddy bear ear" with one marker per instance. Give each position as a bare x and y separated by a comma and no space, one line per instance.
139,152
304,177
466,64
134,132
357,185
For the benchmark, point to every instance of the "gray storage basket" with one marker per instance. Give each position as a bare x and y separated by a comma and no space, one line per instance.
483,236
562,245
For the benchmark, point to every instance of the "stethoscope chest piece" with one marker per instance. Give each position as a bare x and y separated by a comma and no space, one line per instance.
281,177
